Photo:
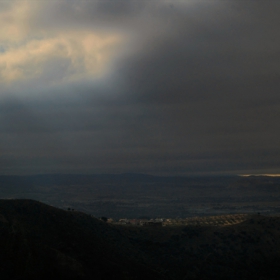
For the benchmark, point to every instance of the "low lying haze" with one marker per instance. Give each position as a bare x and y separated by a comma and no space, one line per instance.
161,87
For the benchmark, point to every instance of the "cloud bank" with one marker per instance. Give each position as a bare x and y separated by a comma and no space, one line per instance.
186,87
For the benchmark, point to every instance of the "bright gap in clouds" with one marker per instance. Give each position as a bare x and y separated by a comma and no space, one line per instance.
31,53
53,42
54,59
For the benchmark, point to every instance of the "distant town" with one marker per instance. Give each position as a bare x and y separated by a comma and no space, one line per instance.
221,220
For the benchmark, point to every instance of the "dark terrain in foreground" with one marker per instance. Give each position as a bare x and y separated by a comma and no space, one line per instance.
42,242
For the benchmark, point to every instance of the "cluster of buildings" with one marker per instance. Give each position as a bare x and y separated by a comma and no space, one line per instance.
140,222
221,220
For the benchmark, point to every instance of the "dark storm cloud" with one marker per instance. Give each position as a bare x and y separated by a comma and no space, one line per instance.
214,86
194,90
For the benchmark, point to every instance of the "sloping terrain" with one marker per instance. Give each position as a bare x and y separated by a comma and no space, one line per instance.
218,220
38,241
248,250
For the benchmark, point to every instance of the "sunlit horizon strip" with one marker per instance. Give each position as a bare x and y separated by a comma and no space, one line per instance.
259,175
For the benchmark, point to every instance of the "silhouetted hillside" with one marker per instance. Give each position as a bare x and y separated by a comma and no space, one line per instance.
41,242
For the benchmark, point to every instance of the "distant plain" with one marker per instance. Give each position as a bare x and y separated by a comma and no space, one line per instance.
135,195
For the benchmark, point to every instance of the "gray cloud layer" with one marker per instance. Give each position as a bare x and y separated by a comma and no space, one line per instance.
191,89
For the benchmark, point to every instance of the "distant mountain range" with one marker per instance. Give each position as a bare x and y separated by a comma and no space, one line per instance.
38,241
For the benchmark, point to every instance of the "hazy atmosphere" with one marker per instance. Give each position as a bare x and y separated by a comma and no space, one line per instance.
159,87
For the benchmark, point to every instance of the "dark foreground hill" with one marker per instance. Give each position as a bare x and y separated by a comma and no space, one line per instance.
38,241
41,242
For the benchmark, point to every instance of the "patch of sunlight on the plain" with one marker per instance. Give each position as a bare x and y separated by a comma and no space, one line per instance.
258,175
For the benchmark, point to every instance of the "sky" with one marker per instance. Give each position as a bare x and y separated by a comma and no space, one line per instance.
161,87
